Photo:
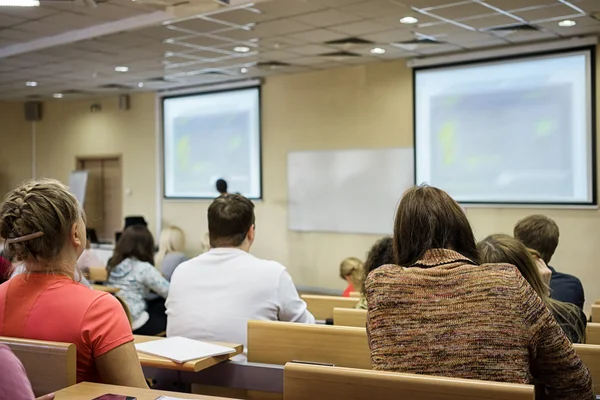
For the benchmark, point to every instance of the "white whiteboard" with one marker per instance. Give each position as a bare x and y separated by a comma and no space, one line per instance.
347,191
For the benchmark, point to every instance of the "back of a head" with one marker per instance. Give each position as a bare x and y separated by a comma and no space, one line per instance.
352,267
229,220
504,249
382,253
135,242
540,233
428,218
36,219
172,239
221,186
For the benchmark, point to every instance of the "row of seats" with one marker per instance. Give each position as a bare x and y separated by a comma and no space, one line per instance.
343,348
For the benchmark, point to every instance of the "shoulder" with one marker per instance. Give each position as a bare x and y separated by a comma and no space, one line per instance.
103,302
269,266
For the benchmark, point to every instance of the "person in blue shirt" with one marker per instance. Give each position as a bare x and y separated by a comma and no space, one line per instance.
540,233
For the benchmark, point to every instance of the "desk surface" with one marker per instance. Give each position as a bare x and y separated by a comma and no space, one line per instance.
194,366
107,289
89,391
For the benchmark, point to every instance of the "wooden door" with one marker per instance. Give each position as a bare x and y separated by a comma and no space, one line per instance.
104,195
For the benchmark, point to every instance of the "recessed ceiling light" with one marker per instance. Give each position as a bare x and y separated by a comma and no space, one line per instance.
408,20
19,3
140,84
567,23
57,95
377,50
241,49
243,70
121,69
31,83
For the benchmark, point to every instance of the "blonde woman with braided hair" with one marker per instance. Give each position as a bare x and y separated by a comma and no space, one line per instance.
44,228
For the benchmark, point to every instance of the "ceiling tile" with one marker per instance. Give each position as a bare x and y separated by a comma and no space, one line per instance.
73,21
287,8
489,21
9,20
396,35
335,3
42,28
326,18
199,25
317,36
279,43
393,21
460,11
520,37
277,55
308,60
590,6
359,28
519,4
542,13
17,35
441,49
425,4
312,49
377,8
243,16
28,13
279,27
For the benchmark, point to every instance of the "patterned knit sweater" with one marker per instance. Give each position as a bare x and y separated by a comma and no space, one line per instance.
447,316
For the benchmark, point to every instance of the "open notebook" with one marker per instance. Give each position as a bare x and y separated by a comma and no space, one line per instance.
181,350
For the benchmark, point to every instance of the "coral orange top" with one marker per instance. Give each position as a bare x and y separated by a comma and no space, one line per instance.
55,308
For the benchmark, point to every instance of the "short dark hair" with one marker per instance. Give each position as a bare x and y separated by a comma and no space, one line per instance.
135,242
221,186
381,253
229,220
428,218
540,233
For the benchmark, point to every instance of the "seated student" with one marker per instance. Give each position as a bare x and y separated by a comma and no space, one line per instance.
351,270
503,249
14,384
45,231
541,233
439,312
131,269
170,251
213,296
382,253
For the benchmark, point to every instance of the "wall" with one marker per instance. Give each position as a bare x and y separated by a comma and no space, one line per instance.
353,107
68,130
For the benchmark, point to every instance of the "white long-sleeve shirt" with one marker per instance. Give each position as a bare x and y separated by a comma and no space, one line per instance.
213,296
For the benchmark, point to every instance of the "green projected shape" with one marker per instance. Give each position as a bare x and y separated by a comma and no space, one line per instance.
183,152
447,138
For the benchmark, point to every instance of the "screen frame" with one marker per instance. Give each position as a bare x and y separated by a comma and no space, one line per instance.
591,50
258,87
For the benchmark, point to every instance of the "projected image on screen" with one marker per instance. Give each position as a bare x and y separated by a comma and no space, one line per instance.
513,132
212,136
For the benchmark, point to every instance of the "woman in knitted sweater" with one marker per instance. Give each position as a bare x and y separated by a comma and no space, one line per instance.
439,312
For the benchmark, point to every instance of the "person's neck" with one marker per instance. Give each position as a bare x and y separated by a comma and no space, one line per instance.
244,247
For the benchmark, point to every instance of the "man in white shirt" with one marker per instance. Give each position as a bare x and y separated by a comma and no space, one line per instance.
213,296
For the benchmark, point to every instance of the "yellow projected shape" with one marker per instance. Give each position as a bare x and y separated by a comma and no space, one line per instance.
544,127
235,142
447,138
183,152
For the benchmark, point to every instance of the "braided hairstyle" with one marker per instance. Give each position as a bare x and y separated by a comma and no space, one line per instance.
43,207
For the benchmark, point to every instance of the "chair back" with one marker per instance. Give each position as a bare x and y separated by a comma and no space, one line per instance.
98,274
355,295
596,313
125,307
315,382
349,317
590,355
50,366
322,306
272,342
592,333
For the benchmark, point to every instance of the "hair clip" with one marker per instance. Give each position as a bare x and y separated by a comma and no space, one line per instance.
25,238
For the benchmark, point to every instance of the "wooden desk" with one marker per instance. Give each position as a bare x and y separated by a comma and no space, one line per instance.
98,274
88,391
192,366
107,289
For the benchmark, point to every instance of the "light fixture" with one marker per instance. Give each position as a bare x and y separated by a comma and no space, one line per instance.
241,49
140,84
567,23
408,20
121,69
377,50
31,83
243,70
19,3
57,95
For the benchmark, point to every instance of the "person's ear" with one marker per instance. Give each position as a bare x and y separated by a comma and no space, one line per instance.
76,238
250,234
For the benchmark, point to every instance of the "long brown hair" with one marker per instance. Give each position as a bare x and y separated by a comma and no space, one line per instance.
135,242
504,249
428,218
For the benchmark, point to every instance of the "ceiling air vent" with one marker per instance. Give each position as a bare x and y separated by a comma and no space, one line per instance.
339,55
74,91
349,41
414,44
513,28
271,64
115,86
